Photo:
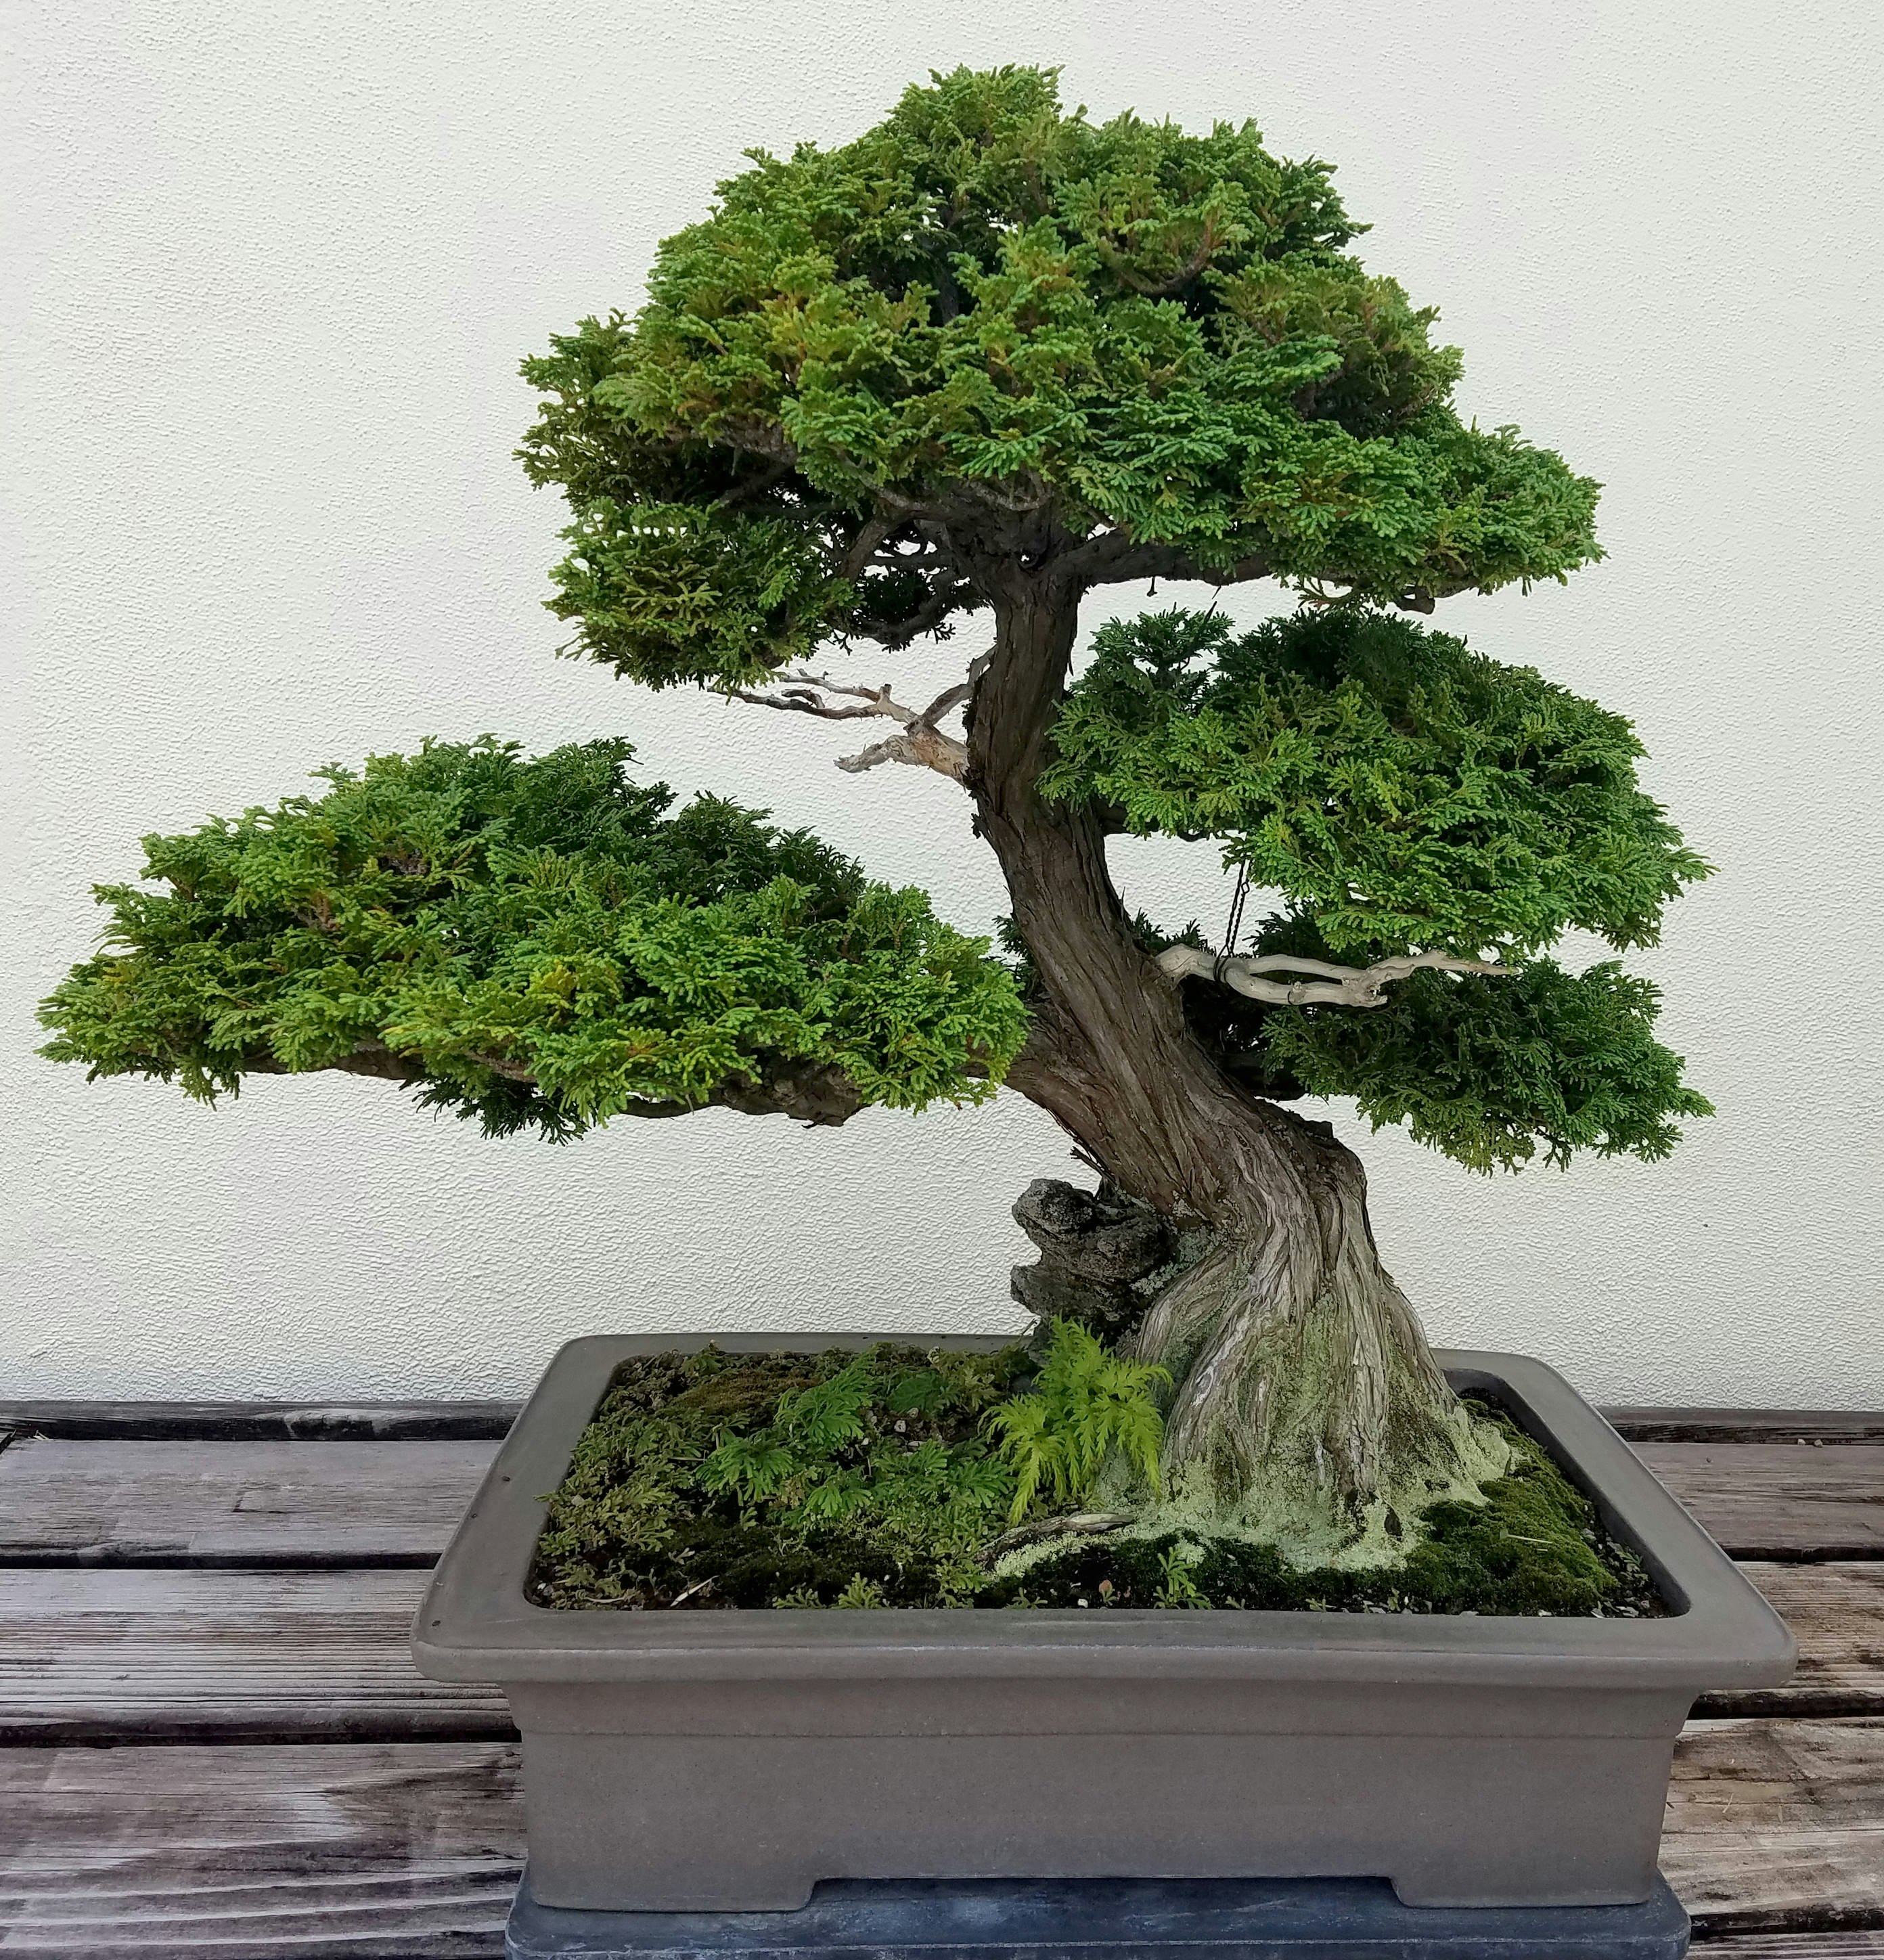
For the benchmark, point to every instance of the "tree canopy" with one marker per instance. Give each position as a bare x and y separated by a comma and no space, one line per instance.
988,329
537,943
989,324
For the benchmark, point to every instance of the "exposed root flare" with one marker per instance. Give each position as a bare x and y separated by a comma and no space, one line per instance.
1307,1408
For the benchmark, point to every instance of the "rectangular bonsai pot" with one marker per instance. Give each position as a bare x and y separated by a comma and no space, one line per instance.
689,1760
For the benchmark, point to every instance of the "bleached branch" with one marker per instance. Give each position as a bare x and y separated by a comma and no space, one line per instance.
927,747
918,739
1333,987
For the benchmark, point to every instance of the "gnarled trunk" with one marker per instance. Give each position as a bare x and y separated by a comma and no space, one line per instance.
1305,1401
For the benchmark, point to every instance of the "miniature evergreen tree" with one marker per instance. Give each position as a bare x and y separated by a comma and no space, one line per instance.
957,374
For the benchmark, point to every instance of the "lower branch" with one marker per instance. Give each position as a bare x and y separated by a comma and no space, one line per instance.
812,1093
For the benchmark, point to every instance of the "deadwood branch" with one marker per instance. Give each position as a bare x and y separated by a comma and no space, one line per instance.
1333,987
919,738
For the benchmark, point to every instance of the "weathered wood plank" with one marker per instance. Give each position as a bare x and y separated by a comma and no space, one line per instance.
1836,1611
274,1503
1778,1825
261,1422
116,1655
1770,1500
1853,1944
1734,1425
233,1504
447,1420
411,1851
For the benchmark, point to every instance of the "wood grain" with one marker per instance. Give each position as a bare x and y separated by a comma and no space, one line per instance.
315,1853
233,1504
1778,1825
1737,1425
1836,1611
1853,1944
1771,1500
261,1422
148,1421
116,1656
124,1656
410,1849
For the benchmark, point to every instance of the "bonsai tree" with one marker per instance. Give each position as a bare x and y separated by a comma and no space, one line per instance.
951,378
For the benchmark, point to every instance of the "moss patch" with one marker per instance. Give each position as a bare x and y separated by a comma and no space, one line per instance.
838,1479
847,1480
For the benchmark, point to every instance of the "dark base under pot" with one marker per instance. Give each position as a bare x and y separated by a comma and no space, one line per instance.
1107,1919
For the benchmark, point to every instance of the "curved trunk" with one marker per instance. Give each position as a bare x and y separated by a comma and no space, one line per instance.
1305,1401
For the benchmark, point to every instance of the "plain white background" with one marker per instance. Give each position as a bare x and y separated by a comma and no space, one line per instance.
269,269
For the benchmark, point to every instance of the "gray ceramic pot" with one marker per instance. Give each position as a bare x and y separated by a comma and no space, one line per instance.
694,1760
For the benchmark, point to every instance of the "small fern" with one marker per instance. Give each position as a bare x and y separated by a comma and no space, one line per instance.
748,1468
829,1414
1178,1588
1087,1402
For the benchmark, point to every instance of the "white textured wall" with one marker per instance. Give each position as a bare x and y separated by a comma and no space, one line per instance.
271,265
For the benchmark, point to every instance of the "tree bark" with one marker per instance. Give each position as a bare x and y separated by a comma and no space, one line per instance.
1304,1397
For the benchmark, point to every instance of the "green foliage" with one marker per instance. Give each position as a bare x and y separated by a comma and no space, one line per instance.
1156,331
692,594
1488,1070
824,1456
1178,1588
1088,1403
1404,790
535,939
834,1479
1404,793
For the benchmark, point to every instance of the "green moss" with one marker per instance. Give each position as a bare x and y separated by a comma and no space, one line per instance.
1535,1545
861,1479
713,1480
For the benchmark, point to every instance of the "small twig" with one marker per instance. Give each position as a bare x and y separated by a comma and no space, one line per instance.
1338,987
754,486
1082,1524
1178,280
801,696
946,591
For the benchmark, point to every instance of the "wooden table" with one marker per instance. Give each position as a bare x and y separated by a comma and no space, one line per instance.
212,1740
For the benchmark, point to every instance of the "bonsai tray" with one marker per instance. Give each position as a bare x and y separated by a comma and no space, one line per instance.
714,1761
1107,1919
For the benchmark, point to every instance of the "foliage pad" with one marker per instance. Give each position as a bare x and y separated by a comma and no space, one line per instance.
1403,790
538,941
1403,793
989,304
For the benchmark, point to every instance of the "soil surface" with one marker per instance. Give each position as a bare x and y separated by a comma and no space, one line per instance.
714,1481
